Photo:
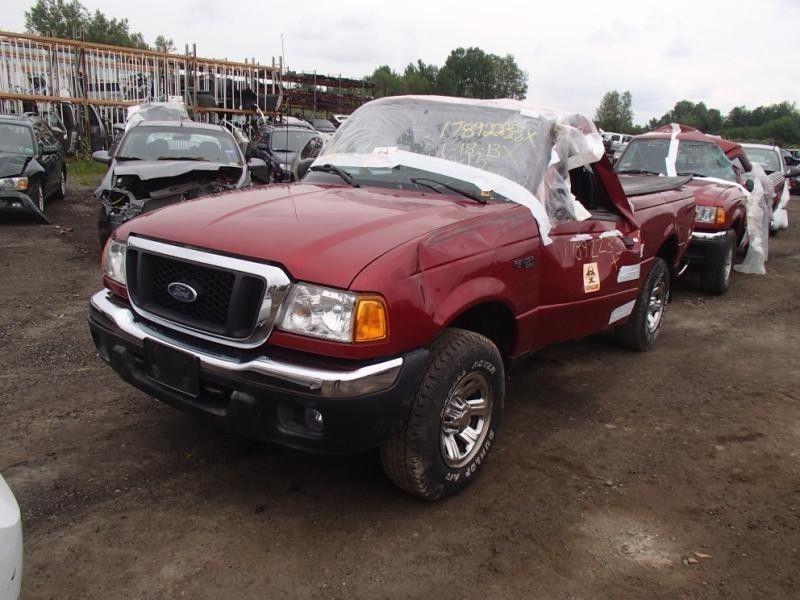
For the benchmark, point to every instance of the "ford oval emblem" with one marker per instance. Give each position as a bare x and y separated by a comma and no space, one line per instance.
182,292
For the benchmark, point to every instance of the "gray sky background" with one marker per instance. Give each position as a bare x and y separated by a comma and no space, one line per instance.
724,53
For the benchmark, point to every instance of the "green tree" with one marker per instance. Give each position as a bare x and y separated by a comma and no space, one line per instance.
468,72
164,44
615,112
69,19
56,18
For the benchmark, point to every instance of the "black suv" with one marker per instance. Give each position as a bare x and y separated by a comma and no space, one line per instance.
33,165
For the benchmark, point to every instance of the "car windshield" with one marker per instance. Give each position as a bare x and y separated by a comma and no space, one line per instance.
766,157
290,140
16,139
391,141
179,143
701,159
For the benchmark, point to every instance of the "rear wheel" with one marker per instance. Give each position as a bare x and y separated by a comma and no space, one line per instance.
716,278
641,330
453,419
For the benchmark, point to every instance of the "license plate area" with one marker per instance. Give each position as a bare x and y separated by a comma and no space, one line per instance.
172,368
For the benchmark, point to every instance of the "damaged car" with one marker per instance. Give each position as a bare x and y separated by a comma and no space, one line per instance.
279,147
32,166
161,163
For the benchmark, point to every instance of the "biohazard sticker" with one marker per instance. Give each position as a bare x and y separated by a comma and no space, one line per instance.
591,278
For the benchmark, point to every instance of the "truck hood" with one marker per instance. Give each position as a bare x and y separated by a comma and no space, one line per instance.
710,193
320,234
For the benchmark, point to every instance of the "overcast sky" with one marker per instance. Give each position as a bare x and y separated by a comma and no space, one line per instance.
724,53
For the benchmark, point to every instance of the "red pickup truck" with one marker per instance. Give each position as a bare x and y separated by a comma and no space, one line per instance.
720,219
380,301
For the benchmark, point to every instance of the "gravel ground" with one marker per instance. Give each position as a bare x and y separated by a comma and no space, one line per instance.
669,474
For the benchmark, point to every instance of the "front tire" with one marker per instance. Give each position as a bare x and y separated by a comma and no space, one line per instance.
62,185
453,420
38,196
641,329
716,279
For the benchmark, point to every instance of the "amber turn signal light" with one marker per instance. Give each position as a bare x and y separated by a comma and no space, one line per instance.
720,220
372,323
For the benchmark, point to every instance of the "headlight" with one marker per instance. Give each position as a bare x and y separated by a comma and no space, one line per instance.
335,315
709,214
114,261
19,184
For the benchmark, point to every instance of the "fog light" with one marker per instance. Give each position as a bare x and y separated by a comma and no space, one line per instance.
314,420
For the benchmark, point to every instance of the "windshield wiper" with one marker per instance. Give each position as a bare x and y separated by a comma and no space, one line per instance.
433,183
637,172
328,168
691,174
127,158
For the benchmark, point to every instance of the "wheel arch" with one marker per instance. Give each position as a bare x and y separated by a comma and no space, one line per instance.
490,317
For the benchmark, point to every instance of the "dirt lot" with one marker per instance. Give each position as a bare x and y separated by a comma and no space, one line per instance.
670,474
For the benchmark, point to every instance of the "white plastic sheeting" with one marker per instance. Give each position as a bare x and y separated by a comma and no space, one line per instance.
759,215
155,111
780,218
504,147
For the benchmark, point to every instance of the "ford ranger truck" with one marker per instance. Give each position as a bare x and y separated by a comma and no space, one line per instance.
720,214
380,302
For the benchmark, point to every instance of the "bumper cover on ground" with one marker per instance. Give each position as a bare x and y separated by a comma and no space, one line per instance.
267,397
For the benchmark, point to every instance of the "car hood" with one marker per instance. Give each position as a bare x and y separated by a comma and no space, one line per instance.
156,169
12,164
711,193
320,234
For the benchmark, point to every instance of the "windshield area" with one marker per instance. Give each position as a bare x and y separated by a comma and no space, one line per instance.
700,159
462,144
179,143
16,139
290,140
766,157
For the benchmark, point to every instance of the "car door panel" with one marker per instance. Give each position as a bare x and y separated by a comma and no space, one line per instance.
590,274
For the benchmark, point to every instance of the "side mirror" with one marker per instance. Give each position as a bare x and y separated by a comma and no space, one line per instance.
102,156
793,171
749,185
255,163
46,149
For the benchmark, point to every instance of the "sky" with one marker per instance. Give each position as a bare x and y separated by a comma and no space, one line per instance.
726,54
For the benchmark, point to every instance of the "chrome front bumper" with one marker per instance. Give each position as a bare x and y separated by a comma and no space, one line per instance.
325,383
708,235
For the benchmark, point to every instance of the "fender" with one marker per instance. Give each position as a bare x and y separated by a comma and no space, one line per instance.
469,294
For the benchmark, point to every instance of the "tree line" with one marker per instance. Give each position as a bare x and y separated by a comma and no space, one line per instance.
71,20
467,73
774,124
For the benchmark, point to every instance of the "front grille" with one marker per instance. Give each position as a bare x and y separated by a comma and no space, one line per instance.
227,304
214,289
